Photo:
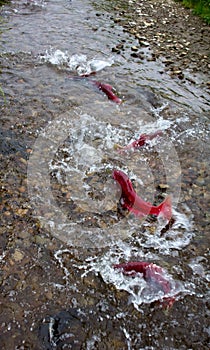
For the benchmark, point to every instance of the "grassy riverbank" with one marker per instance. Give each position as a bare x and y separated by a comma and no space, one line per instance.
200,7
2,2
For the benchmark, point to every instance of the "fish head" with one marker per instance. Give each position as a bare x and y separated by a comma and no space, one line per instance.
128,194
119,176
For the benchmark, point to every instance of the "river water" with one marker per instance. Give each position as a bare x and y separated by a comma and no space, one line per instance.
62,227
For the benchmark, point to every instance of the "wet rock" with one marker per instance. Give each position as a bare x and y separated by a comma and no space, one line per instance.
119,46
168,62
115,49
137,55
10,143
21,211
18,255
64,329
163,187
134,48
117,20
141,38
78,329
143,43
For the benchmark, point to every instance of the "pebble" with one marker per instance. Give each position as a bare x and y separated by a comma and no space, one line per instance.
137,55
21,212
163,186
18,255
138,36
24,161
143,43
116,20
134,48
115,49
22,189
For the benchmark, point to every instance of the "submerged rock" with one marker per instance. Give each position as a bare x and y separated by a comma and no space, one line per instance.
10,143
78,329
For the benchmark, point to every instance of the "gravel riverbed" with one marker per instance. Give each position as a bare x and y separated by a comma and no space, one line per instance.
174,33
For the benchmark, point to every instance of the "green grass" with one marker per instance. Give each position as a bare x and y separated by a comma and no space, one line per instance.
2,2
200,7
3,95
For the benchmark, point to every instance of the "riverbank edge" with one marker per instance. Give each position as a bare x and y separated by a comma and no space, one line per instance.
176,36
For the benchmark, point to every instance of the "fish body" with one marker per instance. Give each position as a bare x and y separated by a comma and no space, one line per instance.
135,204
108,90
152,274
142,140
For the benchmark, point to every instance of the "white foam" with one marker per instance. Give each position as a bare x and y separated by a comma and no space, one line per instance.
197,266
91,143
91,343
128,338
175,238
159,124
2,257
77,62
56,57
140,292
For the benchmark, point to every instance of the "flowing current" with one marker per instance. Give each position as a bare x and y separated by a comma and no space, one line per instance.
63,228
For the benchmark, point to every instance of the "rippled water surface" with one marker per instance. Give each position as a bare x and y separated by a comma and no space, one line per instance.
63,228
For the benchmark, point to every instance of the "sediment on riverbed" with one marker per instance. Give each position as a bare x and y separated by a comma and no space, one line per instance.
173,32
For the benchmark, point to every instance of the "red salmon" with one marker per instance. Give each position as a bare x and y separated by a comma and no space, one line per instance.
131,201
108,90
152,274
142,140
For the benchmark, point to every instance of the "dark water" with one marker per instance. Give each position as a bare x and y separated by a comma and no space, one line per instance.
62,228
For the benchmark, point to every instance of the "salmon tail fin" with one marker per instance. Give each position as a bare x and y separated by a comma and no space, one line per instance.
165,208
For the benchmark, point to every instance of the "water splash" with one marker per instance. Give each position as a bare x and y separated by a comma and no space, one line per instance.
81,156
140,292
166,240
78,63
198,268
26,7
128,338
58,256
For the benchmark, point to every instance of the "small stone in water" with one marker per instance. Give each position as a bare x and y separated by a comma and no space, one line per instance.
18,255
117,19
134,48
22,189
21,211
163,186
143,43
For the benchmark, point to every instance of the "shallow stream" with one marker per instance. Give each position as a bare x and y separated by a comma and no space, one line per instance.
62,226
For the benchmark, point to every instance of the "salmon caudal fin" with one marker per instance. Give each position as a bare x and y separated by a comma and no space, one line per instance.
165,208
